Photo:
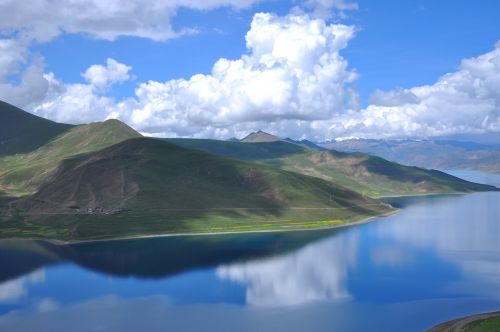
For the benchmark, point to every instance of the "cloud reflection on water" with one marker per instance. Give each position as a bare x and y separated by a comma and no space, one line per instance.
316,272
15,289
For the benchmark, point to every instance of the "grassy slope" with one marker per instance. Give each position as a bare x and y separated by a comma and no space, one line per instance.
485,322
170,189
485,325
365,174
23,174
22,132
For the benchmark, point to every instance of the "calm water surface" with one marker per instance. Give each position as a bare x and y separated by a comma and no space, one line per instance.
437,259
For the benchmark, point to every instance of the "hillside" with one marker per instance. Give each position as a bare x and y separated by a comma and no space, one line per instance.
22,132
147,186
363,173
24,173
442,154
306,143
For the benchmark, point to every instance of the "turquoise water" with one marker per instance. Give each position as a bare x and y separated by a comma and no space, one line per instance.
438,259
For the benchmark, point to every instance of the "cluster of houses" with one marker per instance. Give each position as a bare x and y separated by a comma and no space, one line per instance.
101,210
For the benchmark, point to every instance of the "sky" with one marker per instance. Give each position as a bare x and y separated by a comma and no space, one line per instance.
305,69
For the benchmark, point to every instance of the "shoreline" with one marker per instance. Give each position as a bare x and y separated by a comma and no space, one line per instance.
420,195
137,237
347,224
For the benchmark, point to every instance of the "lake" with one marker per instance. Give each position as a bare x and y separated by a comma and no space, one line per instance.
438,259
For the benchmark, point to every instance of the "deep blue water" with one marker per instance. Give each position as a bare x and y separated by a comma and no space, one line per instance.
438,259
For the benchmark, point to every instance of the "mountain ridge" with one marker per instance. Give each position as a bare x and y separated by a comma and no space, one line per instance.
22,132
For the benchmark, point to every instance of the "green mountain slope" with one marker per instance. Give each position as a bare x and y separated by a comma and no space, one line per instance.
23,174
21,132
363,173
147,186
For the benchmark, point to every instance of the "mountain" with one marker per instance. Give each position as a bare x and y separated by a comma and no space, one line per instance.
23,174
442,154
104,180
21,132
259,137
363,173
149,186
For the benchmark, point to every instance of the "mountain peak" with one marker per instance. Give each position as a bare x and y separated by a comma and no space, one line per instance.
260,136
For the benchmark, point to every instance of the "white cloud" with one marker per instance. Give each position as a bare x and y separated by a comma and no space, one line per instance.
393,98
465,101
72,103
291,82
13,53
293,79
46,19
102,77
24,23
32,86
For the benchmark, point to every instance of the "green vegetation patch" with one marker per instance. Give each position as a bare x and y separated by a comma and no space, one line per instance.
485,325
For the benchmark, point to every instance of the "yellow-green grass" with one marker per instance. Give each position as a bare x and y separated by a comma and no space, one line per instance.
131,224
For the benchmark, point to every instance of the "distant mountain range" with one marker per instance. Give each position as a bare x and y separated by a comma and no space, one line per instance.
104,180
437,154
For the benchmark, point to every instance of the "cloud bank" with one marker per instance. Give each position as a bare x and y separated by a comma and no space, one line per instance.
465,101
292,81
44,20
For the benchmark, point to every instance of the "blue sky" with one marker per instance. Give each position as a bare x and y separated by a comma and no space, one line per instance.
397,45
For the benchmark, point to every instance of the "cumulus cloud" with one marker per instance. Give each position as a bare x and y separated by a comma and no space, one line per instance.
73,103
292,81
292,78
13,53
102,77
46,19
465,101
25,23
293,72
15,58
31,88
